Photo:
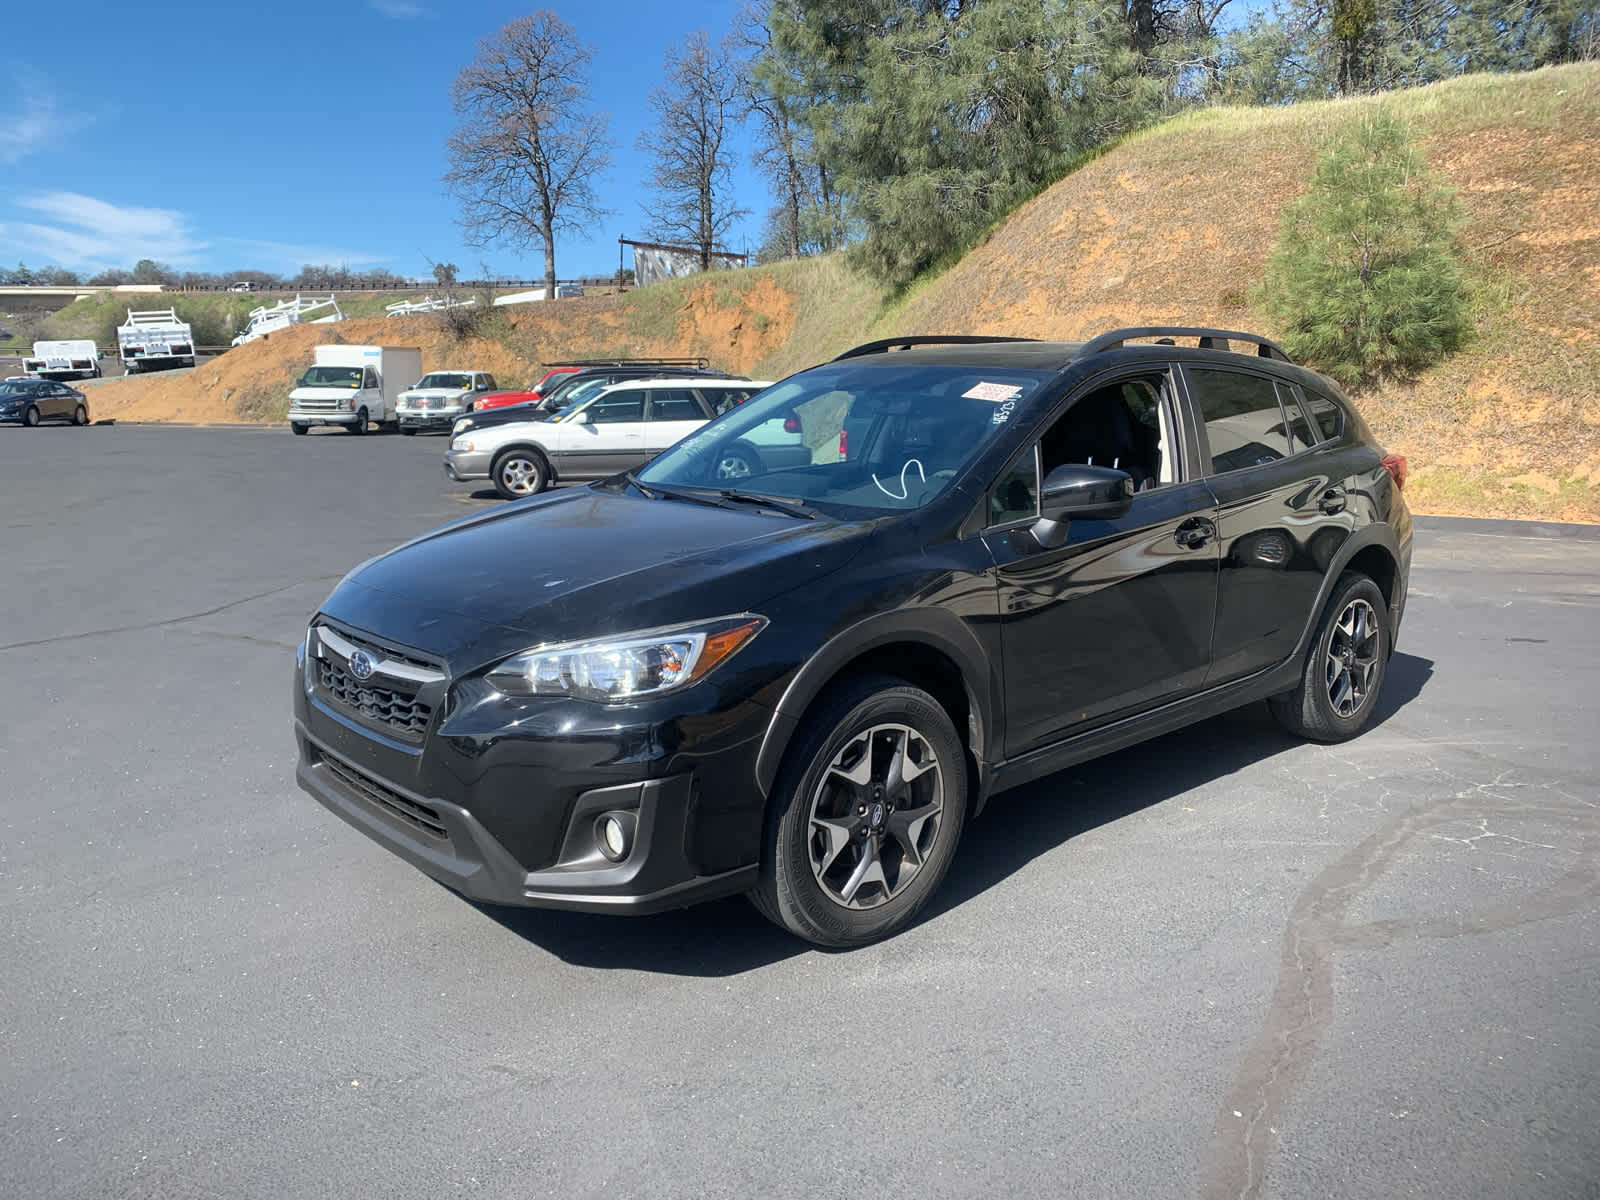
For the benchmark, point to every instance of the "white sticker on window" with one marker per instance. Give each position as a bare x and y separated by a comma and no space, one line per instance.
998,393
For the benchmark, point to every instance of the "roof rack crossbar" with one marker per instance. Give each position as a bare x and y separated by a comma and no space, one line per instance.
701,361
1265,347
884,345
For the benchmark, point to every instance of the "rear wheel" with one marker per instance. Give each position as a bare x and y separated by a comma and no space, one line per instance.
518,473
867,812
409,430
298,428
80,416
735,463
1344,672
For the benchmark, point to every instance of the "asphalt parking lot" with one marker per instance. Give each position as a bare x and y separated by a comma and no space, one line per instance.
1222,964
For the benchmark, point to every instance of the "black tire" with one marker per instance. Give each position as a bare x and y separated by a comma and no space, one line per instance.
298,428
408,430
1344,670
810,862
359,425
736,462
519,472
80,415
30,417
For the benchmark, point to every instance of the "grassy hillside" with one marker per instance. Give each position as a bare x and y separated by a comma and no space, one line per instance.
1173,226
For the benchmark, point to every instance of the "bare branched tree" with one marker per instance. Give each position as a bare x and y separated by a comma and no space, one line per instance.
696,110
525,158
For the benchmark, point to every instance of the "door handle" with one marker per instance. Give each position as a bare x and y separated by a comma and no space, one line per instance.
1194,533
1332,501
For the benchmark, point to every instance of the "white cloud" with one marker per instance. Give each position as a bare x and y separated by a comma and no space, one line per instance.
86,232
399,10
32,121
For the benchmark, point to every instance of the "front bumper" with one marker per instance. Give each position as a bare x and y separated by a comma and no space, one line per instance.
429,420
501,800
465,465
321,418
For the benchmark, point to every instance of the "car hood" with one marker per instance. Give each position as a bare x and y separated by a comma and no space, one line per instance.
582,563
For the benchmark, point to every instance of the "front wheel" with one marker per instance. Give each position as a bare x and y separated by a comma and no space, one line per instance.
519,473
867,812
409,430
1344,672
298,428
735,463
360,425
30,418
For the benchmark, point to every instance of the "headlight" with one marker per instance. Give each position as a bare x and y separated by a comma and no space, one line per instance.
461,444
459,425
629,666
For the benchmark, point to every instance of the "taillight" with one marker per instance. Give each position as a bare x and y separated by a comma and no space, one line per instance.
1395,464
792,425
844,444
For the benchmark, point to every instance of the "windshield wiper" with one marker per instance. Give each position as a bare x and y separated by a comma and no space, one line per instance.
787,507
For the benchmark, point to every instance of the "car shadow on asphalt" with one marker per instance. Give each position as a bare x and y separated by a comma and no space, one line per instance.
728,937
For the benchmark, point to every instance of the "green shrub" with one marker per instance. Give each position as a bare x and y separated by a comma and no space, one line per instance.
1364,279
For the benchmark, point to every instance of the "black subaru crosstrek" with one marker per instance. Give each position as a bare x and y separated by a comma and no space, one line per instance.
995,558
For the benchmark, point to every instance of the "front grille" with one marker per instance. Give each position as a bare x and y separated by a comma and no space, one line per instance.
383,649
397,710
418,816
316,405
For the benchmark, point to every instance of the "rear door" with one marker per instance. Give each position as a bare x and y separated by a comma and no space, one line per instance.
1281,513
1117,618
673,414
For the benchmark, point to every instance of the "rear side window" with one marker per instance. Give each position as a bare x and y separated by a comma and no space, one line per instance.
1325,414
675,404
1244,422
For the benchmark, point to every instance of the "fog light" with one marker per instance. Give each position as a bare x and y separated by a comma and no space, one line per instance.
616,831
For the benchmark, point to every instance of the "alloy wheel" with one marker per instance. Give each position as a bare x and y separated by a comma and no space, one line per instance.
875,816
733,466
520,475
1353,649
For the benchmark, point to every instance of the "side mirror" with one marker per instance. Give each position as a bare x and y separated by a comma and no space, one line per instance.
581,418
1088,493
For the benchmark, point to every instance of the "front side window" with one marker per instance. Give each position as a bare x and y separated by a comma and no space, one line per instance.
369,378
865,434
618,409
1244,422
1124,425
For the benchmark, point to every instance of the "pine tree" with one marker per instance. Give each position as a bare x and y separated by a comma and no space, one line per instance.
1364,277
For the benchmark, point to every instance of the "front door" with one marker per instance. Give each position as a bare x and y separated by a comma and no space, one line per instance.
1118,617
610,440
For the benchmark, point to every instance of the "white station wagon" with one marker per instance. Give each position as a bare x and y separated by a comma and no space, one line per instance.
620,428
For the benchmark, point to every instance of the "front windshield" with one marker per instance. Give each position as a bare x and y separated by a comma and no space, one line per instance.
445,379
346,377
864,434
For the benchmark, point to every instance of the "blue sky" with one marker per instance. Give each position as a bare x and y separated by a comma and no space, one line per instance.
216,137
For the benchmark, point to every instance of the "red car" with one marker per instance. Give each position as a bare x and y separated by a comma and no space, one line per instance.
502,399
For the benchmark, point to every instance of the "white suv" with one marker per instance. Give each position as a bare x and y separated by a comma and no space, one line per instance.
439,397
615,430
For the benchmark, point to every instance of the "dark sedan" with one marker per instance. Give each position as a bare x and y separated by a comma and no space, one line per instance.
30,401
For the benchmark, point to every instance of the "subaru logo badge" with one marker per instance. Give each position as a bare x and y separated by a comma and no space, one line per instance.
361,665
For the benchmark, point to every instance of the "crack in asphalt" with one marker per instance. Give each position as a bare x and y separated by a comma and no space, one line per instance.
1302,1004
167,622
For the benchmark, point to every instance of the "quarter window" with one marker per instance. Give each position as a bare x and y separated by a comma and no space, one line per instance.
1244,421
1325,414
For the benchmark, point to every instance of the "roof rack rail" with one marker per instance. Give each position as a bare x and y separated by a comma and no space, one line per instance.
1265,347
630,362
883,345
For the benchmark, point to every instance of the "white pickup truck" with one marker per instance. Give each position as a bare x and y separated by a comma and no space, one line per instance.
439,397
352,385
155,338
75,359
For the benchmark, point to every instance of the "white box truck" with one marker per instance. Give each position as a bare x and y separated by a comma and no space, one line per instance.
155,338
352,385
75,359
